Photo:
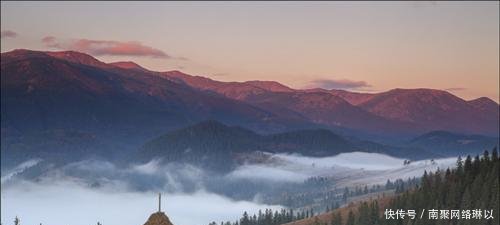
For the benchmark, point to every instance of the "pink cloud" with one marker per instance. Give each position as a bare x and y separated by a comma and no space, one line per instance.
8,34
339,84
106,47
50,41
455,89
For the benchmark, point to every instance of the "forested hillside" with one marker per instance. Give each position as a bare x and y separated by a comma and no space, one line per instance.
215,145
472,187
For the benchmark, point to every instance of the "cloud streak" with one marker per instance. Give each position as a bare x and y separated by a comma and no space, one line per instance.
105,47
455,89
339,84
8,34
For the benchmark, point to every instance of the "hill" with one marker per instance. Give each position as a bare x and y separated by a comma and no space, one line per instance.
452,144
214,145
435,110
472,185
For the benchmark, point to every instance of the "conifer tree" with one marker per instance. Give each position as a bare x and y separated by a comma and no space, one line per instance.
350,219
337,219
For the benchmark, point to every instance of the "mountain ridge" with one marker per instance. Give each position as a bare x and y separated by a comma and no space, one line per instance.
73,91
419,109
447,143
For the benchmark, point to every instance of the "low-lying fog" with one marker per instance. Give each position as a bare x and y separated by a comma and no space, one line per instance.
68,203
365,168
89,191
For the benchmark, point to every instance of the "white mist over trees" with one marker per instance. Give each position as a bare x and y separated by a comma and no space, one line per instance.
84,192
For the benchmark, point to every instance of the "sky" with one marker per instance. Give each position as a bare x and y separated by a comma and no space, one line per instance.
357,46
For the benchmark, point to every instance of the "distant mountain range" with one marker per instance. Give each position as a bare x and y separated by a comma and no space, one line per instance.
398,111
51,101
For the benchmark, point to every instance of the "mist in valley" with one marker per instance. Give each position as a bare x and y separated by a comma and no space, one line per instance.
362,167
88,191
67,202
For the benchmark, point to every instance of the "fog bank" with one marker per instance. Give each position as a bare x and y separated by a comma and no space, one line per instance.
69,203
85,192
361,167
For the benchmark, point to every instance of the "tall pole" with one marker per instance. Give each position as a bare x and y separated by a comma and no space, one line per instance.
159,202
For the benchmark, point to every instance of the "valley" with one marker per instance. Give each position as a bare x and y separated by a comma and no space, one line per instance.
77,132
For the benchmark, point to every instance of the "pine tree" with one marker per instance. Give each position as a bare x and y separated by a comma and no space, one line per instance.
337,219
245,220
350,219
475,185
494,155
